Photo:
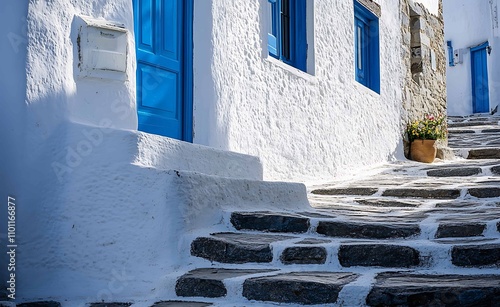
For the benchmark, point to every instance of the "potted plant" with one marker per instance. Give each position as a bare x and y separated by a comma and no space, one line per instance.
422,135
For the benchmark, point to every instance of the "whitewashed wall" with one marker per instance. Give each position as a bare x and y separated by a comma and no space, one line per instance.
304,126
41,95
467,24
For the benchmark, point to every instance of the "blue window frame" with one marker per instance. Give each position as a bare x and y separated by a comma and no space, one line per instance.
287,39
451,61
366,47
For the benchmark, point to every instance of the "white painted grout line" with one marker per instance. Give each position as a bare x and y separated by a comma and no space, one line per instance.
434,255
332,259
355,293
491,229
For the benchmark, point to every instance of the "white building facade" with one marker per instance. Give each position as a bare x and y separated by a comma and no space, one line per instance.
473,40
315,95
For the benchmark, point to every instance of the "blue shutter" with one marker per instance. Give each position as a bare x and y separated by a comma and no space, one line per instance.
366,47
300,35
272,35
287,36
451,61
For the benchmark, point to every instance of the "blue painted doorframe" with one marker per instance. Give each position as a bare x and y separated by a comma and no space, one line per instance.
480,88
163,35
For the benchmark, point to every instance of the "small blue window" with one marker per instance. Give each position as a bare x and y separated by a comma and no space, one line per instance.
287,39
366,47
451,61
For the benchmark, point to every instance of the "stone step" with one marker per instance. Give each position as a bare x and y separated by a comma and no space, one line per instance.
238,248
454,131
110,304
208,282
455,172
286,223
473,123
406,289
463,143
270,222
413,192
450,221
357,230
40,304
486,168
304,255
483,189
456,230
479,153
345,191
181,304
434,193
304,288
476,255
378,255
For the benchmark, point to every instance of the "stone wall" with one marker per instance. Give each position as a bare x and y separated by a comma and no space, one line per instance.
423,53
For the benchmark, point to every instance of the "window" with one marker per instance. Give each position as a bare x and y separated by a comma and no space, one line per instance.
366,46
451,60
287,32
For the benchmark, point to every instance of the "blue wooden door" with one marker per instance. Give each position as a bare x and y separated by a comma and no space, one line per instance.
480,90
161,77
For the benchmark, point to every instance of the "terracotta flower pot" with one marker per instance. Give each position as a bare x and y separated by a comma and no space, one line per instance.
423,151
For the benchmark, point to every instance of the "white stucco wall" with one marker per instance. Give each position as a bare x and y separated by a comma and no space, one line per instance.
304,126
467,24
41,95
53,80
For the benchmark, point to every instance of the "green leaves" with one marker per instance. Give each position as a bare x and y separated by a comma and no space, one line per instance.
429,128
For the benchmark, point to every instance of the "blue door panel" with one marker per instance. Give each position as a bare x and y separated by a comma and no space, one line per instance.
156,125
144,25
480,88
160,67
160,91
171,12
160,61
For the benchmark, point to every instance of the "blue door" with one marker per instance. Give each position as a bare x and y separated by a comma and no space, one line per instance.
480,91
163,35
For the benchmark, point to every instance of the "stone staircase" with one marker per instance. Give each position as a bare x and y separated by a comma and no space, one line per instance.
475,137
410,235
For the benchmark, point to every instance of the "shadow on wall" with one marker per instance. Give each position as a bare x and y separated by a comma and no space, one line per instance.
209,129
13,42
